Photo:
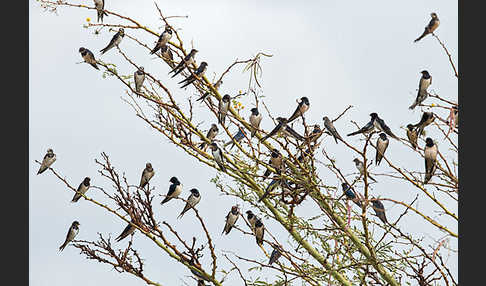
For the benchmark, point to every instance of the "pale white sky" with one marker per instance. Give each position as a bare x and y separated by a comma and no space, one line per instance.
337,53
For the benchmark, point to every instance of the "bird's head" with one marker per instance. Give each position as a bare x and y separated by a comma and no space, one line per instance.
281,119
214,127
429,142
234,210
213,146
325,118
204,64
121,31
50,150
194,192
249,214
383,136
226,98
193,51
140,68
174,180
76,223
86,180
304,99
81,49
345,186
275,153
410,127
356,161
433,15
373,115
254,111
424,73
148,166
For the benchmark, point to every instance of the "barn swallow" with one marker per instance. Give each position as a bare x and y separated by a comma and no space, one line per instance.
380,125
88,57
427,119
368,128
186,62
424,83
192,201
147,174
175,190
276,253
100,6
456,116
259,231
350,194
273,184
231,219
302,107
275,161
129,229
218,155
255,119
412,135
330,127
379,210
115,41
223,107
197,74
315,133
205,95
289,131
360,167
139,77
212,132
381,145
72,232
430,28
166,54
163,39
251,219
430,154
282,124
83,188
48,160
237,137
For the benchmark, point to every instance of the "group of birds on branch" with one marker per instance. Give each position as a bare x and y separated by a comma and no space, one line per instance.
282,127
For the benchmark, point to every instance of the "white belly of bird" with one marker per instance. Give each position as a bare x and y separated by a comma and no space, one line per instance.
177,192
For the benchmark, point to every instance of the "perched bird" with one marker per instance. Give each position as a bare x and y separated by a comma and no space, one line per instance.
302,107
255,119
379,210
115,41
275,161
361,169
212,132
381,145
72,232
375,122
259,231
380,125
251,219
205,95
175,190
129,229
197,74
100,6
186,62
276,253
218,155
147,174
350,194
273,184
82,189
330,127
48,160
315,133
192,201
163,40
289,131
88,57
424,83
426,119
166,54
223,107
430,28
237,137
231,219
368,128
139,77
412,135
430,154
282,124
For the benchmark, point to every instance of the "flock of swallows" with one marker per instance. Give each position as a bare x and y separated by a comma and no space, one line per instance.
276,160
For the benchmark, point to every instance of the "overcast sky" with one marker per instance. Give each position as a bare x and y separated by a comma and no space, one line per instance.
337,53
